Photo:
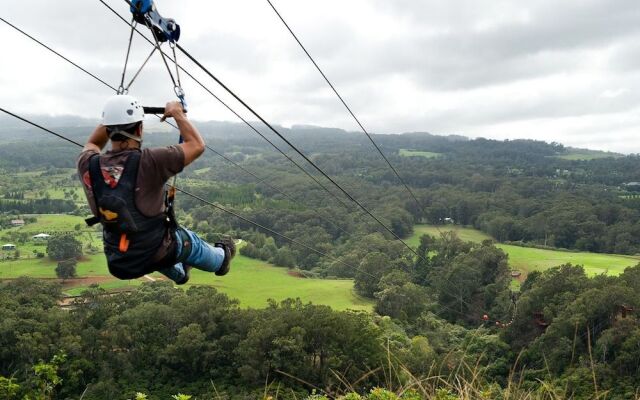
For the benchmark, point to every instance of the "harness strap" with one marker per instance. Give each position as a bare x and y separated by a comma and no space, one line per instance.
91,221
124,243
170,195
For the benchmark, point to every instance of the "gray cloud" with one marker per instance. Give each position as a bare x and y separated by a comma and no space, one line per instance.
541,69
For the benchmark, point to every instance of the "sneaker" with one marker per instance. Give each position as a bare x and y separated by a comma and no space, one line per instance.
229,248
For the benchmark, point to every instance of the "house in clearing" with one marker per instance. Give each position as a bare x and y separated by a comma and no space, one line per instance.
17,222
41,237
8,247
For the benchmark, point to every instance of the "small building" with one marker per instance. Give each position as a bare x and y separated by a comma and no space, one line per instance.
8,247
41,237
17,222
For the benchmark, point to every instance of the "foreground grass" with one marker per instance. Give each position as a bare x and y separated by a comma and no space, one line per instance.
529,259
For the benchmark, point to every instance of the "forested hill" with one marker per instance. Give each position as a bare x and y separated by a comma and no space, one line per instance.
310,138
516,190
448,307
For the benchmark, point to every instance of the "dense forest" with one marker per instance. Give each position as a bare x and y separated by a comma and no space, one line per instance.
445,313
571,336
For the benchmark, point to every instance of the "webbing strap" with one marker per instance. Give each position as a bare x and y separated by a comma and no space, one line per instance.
169,198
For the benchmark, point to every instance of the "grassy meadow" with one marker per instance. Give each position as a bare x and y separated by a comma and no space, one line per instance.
418,153
251,281
586,155
527,259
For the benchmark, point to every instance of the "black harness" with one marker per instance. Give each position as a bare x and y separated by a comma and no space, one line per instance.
131,239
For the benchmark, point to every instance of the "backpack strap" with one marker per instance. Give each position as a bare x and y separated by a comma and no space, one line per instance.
111,203
169,197
94,163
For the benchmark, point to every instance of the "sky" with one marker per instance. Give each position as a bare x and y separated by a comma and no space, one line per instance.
564,71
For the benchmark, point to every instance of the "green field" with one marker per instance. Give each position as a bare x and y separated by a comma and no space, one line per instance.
417,153
89,266
51,223
59,193
586,155
202,171
528,259
251,281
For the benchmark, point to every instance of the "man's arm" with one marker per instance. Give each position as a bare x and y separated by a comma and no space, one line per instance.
193,144
97,140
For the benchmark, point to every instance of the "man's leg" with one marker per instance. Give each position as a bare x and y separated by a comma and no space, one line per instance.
203,256
176,273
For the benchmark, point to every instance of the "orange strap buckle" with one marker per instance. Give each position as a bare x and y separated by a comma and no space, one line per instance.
171,193
124,243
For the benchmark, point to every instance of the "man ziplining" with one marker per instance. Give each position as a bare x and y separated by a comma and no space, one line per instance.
125,188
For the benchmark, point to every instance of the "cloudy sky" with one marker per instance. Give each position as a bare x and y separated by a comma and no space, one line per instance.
563,71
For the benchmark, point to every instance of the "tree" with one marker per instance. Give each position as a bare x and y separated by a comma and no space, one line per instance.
64,247
405,302
284,258
368,275
66,269
8,389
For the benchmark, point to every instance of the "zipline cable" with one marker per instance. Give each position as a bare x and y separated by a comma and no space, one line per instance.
290,239
260,180
106,84
169,123
268,125
40,127
204,201
415,198
251,110
234,112
222,102
56,53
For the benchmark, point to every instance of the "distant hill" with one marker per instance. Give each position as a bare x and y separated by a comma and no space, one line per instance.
311,138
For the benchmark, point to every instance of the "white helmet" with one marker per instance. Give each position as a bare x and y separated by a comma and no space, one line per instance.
122,110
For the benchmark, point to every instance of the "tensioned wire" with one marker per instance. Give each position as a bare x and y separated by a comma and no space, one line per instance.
233,111
274,130
420,206
290,239
212,204
286,141
204,201
208,147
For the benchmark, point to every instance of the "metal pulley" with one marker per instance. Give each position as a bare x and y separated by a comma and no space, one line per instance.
164,29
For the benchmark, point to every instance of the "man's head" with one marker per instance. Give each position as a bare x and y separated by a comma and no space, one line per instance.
123,116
